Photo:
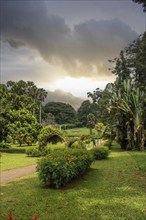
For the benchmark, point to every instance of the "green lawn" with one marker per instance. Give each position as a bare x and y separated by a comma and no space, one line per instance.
78,132
113,189
10,161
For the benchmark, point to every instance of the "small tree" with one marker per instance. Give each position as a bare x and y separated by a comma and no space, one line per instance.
91,121
100,128
23,127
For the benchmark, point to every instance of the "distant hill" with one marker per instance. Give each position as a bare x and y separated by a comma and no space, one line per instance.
61,96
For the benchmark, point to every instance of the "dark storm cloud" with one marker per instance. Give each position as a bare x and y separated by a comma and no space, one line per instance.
82,51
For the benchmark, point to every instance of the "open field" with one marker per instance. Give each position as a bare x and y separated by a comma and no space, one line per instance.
78,132
10,161
113,189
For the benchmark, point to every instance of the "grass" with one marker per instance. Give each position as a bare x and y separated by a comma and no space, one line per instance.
140,158
10,161
78,132
56,146
113,189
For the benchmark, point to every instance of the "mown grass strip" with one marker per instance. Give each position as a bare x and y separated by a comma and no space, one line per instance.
11,161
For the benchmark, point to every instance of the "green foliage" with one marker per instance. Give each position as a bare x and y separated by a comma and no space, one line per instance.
91,121
70,141
78,144
62,112
108,143
70,126
100,153
101,98
100,128
77,132
50,135
34,152
61,166
4,145
84,110
13,150
124,102
23,127
16,96
129,102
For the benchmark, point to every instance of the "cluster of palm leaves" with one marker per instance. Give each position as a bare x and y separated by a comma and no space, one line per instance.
130,105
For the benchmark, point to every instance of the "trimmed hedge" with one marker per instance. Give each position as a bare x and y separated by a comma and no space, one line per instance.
100,153
13,150
61,166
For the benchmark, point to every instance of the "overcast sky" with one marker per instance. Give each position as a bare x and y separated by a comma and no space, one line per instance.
66,44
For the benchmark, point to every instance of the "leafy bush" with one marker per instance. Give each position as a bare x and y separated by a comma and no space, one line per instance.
108,143
100,152
78,144
75,143
4,145
34,152
13,150
61,166
85,137
50,135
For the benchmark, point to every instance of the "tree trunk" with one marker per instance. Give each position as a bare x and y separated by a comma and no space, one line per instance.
90,131
40,114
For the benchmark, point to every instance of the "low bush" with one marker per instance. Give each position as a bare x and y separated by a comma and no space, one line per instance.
34,152
100,153
13,150
78,144
108,143
75,143
61,166
4,145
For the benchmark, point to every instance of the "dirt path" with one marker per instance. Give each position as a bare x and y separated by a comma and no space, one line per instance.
10,175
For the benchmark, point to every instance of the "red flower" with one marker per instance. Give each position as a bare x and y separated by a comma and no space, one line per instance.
10,216
35,217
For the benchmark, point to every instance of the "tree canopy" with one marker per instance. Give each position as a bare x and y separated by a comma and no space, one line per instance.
19,101
62,112
85,109
122,105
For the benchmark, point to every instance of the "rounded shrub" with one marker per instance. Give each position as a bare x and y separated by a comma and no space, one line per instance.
59,167
100,153
33,152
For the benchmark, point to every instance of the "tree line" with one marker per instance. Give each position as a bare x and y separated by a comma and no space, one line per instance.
121,106
22,113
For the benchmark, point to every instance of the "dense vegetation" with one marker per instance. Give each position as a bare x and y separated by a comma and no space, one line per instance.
20,111
124,101
62,112
61,166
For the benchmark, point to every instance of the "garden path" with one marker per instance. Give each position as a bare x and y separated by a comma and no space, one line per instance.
10,175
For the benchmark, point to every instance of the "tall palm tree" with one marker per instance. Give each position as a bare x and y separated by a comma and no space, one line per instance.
41,95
